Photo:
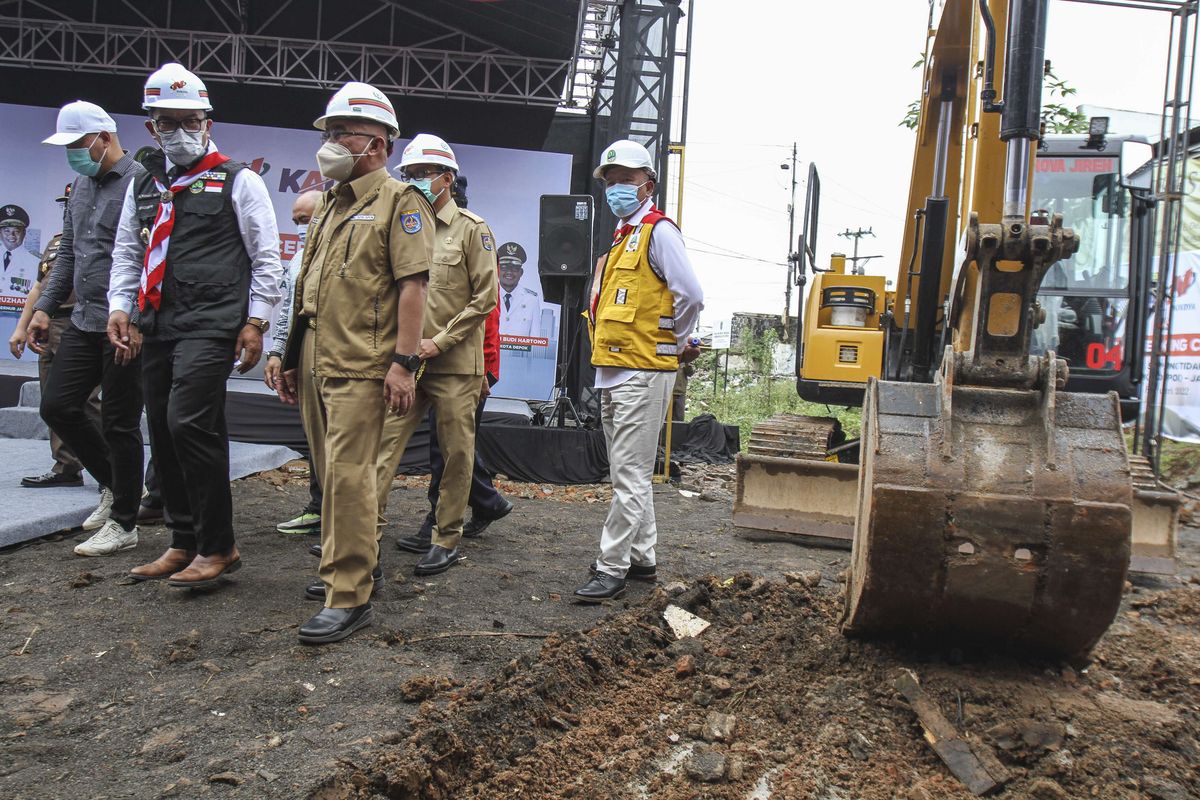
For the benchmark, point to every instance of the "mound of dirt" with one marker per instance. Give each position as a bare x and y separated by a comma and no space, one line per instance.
772,702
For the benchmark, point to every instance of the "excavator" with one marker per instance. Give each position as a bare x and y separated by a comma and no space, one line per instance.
990,497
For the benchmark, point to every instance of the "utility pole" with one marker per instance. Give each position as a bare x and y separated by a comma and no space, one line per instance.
856,235
791,257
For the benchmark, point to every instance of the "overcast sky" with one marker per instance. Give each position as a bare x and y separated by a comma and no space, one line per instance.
836,79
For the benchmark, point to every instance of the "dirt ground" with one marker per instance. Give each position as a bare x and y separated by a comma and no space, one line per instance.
487,682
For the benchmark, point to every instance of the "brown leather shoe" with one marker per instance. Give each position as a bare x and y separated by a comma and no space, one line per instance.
168,563
206,570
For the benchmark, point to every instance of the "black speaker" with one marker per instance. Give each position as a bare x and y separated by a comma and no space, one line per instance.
565,236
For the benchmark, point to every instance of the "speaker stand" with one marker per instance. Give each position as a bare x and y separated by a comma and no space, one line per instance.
563,404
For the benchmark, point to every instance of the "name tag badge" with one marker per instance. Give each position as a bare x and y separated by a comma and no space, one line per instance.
363,218
632,244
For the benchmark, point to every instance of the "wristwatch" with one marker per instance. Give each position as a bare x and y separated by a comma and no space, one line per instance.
261,324
410,363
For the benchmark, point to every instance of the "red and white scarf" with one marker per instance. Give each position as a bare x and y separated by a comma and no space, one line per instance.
155,264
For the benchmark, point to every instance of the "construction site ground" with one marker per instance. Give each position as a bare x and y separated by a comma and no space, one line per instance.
488,682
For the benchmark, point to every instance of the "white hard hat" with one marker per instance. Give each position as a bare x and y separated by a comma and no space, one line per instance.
78,119
425,148
625,153
360,101
172,86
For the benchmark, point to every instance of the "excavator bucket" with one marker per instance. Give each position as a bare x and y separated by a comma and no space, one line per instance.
993,515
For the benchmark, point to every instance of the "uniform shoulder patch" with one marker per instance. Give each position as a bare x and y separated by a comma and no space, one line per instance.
486,240
410,221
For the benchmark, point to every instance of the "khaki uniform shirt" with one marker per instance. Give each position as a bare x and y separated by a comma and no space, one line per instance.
365,236
462,291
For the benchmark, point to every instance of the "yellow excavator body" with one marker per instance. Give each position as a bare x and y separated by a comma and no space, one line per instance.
989,504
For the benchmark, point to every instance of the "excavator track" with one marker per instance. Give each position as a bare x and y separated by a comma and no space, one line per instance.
794,436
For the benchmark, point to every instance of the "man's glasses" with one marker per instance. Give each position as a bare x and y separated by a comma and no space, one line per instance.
169,125
420,174
333,136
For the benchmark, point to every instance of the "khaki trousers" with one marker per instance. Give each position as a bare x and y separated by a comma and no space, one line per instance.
632,414
454,398
343,418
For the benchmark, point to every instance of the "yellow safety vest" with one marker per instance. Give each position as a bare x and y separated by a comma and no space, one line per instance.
633,324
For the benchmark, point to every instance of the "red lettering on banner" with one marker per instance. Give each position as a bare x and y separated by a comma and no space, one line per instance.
1183,344
1051,165
289,243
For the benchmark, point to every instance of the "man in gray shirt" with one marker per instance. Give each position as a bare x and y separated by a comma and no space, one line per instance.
112,453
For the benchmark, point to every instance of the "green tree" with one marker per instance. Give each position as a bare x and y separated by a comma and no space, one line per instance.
1056,115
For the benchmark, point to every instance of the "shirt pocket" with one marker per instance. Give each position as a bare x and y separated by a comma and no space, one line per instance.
362,253
614,326
108,214
446,270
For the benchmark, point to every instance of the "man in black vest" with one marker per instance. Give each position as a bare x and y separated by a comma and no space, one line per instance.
197,260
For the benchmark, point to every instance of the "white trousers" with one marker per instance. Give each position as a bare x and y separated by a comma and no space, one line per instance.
632,414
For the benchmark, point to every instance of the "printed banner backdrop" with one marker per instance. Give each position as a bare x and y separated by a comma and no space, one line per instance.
1181,417
504,188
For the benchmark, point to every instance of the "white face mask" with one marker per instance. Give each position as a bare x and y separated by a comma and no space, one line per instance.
336,162
184,148
301,232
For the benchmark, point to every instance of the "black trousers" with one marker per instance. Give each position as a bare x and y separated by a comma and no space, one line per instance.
484,496
184,383
112,451
315,496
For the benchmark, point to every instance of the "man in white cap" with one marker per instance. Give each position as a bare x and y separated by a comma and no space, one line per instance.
462,293
197,262
645,302
358,305
84,358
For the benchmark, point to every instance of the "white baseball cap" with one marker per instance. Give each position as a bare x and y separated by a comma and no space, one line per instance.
78,119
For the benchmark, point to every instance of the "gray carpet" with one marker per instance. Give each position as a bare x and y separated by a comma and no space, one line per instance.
30,513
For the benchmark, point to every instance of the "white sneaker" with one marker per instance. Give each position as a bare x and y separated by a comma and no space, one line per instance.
102,512
112,538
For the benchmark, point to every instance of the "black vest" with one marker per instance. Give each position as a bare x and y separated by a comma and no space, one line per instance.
206,285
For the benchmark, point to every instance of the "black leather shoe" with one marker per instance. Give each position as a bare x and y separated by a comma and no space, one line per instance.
421,541
637,572
149,515
334,624
316,589
51,479
481,519
438,559
314,549
601,587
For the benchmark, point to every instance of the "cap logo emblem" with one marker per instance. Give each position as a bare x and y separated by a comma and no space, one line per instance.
10,210
511,249
611,156
177,86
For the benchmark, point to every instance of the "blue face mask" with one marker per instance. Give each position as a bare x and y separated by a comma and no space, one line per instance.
301,232
425,184
80,160
622,198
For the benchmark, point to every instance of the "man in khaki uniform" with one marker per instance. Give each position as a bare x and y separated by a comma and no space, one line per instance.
358,305
462,293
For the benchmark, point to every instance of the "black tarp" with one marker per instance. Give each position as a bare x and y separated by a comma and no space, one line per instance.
521,452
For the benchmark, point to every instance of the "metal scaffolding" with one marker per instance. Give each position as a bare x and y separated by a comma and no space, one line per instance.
227,47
